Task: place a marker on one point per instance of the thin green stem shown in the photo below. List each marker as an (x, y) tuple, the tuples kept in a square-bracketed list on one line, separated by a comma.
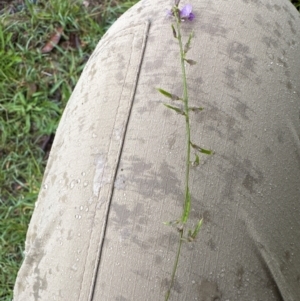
[(175, 266), (187, 199), (187, 124)]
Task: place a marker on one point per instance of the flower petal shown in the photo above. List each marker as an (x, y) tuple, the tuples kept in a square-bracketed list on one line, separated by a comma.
[(191, 17), (186, 11)]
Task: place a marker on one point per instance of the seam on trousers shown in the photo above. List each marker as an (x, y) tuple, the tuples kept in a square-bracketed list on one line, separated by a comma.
[(125, 123)]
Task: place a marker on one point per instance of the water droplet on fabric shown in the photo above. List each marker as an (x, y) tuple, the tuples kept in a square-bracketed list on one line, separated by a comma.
[(72, 184), (45, 186), (83, 173), (94, 135)]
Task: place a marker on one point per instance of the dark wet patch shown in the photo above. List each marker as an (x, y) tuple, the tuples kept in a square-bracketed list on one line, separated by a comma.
[(268, 151), (239, 169), (242, 108), (249, 182), (168, 239), (138, 228), (277, 33), (231, 78), (122, 214), (228, 126), (289, 85), (270, 42), (141, 243), (206, 217), (152, 183), (177, 287), (241, 53), (119, 76), (287, 10), (269, 7), (239, 281), (214, 26), (212, 245), (277, 7), (158, 259), (293, 30), (208, 291), (259, 19), (151, 66)]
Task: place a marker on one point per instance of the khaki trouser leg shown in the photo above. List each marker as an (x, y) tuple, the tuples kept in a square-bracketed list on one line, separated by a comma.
[(116, 170)]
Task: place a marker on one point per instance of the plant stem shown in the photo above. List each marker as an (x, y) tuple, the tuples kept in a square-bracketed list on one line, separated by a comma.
[(187, 125), (187, 200), (175, 266)]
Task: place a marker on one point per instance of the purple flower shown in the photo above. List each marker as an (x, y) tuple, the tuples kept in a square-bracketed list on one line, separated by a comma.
[(186, 13)]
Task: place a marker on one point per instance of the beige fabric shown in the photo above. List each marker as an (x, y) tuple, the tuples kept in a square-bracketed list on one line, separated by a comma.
[(116, 170)]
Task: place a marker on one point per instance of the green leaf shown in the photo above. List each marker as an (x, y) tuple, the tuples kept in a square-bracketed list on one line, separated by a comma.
[(176, 109), (164, 92), (187, 46), (191, 62), (168, 94), (202, 150), (195, 109), (197, 228), (197, 160), (174, 31)]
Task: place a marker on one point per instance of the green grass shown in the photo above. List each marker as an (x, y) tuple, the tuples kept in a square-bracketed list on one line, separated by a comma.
[(35, 88)]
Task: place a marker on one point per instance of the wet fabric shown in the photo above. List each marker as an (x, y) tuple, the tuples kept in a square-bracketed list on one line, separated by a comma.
[(116, 169)]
